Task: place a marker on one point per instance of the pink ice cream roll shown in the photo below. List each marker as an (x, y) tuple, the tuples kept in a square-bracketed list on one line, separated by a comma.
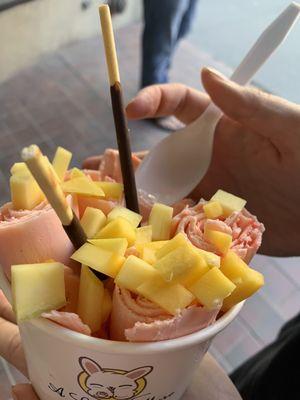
[(244, 227), (32, 236), (137, 319)]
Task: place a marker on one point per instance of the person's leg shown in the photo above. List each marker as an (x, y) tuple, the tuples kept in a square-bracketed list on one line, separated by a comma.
[(162, 24), (187, 19)]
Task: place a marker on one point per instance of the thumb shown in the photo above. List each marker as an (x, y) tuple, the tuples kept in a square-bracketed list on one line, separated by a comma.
[(23, 392), (264, 113)]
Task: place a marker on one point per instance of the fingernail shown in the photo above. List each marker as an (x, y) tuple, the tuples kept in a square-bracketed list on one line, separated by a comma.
[(215, 73)]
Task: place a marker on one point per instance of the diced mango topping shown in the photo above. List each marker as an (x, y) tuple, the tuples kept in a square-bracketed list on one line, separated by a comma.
[(25, 192), (222, 241), (92, 221), (118, 245), (103, 261), (171, 297), (148, 250), (148, 255), (90, 301), (178, 262), (20, 168), (246, 279), (122, 212), (212, 288), (229, 202), (233, 266), (160, 218), (82, 185), (177, 241), (192, 275), (118, 228), (212, 259), (147, 260), (213, 210), (37, 288), (143, 234), (77, 173), (61, 162), (135, 272), (112, 190)]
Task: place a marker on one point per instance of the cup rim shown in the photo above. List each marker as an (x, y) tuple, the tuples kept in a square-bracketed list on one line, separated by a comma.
[(111, 346)]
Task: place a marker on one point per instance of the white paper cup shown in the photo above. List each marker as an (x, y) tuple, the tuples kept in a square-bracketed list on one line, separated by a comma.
[(63, 364)]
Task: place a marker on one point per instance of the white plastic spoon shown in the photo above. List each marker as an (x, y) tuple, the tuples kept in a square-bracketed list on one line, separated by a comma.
[(174, 167)]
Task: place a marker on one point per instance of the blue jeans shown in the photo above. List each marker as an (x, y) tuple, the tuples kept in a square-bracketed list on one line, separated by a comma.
[(166, 22)]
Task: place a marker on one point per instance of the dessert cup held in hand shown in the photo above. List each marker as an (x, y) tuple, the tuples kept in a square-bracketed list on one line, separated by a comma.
[(66, 364)]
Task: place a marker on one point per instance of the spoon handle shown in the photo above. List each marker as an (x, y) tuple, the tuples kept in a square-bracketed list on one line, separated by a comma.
[(262, 49), (266, 44)]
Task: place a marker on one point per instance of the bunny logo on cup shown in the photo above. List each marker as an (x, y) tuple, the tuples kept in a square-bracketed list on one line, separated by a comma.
[(111, 384)]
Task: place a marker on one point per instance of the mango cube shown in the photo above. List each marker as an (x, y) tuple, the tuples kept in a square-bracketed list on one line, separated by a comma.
[(148, 250), (213, 210), (135, 272), (148, 255), (112, 190), (78, 173), (178, 262), (212, 288), (103, 261), (117, 246), (122, 212), (92, 221), (229, 202), (25, 192), (118, 228), (82, 185), (222, 241), (212, 259), (151, 245), (246, 279), (90, 301), (233, 267), (177, 241), (61, 162), (160, 218), (20, 168), (143, 234), (192, 275), (171, 297), (37, 288)]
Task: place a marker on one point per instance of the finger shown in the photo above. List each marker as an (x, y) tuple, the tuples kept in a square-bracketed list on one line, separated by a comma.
[(264, 113), (6, 311), (141, 154), (10, 345), (168, 99), (23, 392), (92, 162)]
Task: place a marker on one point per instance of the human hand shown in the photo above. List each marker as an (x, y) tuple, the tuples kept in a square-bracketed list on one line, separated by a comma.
[(11, 348), (256, 151), (23, 392)]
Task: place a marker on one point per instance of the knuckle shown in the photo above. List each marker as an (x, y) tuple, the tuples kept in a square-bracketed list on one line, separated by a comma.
[(14, 345)]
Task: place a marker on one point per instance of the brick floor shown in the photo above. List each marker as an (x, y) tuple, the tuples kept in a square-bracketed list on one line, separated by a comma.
[(64, 100)]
